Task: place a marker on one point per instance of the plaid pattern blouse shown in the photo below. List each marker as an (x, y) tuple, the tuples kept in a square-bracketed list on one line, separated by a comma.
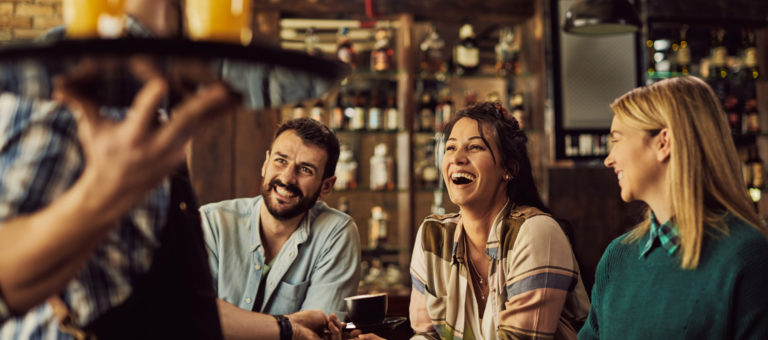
[(535, 290), (665, 235), (40, 158)]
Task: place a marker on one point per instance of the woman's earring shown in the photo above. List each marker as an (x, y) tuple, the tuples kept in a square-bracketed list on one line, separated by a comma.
[(507, 177)]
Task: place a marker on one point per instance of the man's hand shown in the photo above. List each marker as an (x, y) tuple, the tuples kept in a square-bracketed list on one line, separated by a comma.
[(314, 319), (126, 159)]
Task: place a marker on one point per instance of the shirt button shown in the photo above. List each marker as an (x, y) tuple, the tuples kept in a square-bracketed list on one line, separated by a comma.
[(290, 254), (183, 206), (253, 248), (248, 300), (257, 267)]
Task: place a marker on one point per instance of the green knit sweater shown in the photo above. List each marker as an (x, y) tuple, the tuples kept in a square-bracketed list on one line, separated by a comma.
[(651, 297)]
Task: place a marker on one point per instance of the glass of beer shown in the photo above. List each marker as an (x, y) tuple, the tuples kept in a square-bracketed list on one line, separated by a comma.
[(93, 18), (219, 20)]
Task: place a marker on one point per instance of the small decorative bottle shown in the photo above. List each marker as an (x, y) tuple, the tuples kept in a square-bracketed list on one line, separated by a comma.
[(382, 168), (346, 169)]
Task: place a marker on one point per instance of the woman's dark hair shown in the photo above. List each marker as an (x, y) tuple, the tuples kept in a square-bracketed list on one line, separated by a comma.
[(316, 133), (512, 146)]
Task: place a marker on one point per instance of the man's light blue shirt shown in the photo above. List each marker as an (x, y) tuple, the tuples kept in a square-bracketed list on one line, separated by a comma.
[(317, 267)]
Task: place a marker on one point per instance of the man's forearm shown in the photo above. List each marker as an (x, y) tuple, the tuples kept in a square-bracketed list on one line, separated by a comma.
[(239, 323), (41, 252)]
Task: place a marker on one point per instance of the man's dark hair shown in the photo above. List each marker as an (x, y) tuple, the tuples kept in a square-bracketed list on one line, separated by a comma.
[(316, 133), (511, 145)]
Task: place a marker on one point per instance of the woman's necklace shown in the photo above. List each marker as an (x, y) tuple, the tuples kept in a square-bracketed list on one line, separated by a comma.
[(482, 283)]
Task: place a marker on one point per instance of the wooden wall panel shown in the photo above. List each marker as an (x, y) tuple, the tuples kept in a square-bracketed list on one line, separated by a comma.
[(588, 198)]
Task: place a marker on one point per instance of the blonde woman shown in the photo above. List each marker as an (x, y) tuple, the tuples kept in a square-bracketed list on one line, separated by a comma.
[(697, 267), (500, 268)]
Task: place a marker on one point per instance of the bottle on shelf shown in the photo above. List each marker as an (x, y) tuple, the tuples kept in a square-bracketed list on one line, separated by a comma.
[(718, 54), (345, 52), (444, 109), (338, 119), (425, 119), (750, 54), (357, 121), (318, 111), (377, 228), (466, 54), (429, 173), (392, 115), (756, 174), (381, 55), (683, 55), (312, 42), (432, 55), (750, 74), (470, 97), (299, 111), (375, 113), (651, 61), (382, 169), (349, 110), (507, 52), (346, 169), (717, 78), (344, 204), (517, 108)]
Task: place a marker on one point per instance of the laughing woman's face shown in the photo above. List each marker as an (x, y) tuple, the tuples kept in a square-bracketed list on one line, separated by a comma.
[(471, 166)]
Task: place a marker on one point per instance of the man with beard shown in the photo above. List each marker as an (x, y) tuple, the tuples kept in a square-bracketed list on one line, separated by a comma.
[(285, 251)]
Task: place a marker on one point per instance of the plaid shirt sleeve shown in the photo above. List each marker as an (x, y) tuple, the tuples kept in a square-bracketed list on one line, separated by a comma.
[(40, 158)]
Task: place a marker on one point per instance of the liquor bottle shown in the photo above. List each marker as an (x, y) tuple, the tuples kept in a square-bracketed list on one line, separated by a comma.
[(338, 119), (444, 109), (683, 53), (507, 51), (375, 114), (377, 228), (718, 72), (381, 55), (299, 111), (392, 114), (651, 61), (517, 108), (466, 54), (756, 172), (318, 111), (470, 97), (346, 169), (426, 112), (718, 54), (429, 172), (431, 50), (312, 42), (344, 204), (382, 169), (344, 50), (749, 80), (357, 121), (750, 54)]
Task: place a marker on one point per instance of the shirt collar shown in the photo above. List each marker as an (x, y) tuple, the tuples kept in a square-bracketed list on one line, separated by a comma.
[(492, 246), (666, 234)]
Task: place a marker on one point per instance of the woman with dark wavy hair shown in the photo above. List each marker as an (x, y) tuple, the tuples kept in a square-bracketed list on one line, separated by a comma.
[(500, 268)]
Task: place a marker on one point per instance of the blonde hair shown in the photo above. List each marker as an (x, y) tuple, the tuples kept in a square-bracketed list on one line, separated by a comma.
[(704, 178)]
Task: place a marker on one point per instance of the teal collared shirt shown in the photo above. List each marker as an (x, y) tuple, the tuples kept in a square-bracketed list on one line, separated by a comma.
[(665, 235), (318, 266)]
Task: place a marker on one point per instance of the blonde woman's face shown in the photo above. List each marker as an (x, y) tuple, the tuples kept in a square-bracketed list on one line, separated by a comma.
[(471, 175), (634, 162)]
